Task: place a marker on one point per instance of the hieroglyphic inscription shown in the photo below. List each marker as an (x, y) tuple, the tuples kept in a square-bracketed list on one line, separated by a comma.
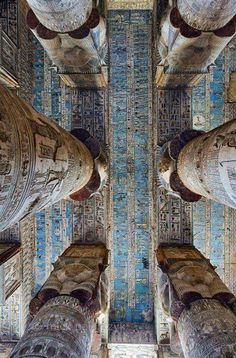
[(132, 333), (9, 54), (10, 321), (9, 18), (88, 112), (130, 111), (173, 116), (130, 4)]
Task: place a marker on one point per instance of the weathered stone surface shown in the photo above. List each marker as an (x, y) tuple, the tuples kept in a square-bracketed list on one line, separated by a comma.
[(191, 276), (10, 270), (78, 272), (130, 4), (231, 95)]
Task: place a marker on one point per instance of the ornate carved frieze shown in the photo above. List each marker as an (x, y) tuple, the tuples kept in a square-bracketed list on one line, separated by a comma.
[(132, 350), (132, 333)]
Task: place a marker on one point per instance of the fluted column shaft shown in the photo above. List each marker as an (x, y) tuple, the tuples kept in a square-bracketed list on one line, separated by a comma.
[(206, 165), (40, 163)]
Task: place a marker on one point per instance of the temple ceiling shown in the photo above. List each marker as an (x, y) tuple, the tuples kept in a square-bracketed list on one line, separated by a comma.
[(131, 215)]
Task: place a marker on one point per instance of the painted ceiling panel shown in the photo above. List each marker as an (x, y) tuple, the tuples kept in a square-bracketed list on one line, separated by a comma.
[(130, 110)]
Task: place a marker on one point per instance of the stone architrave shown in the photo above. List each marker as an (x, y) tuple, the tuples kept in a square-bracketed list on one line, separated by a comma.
[(40, 163), (197, 302), (196, 164), (63, 319)]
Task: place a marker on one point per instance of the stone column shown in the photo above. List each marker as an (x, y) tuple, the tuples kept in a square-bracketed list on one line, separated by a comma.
[(193, 34), (196, 164), (200, 306), (40, 163), (64, 321), (207, 329), (74, 36)]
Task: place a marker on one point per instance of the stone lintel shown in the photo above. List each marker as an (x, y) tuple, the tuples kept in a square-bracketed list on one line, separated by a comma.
[(130, 4), (168, 255), (87, 251), (166, 78), (86, 80)]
